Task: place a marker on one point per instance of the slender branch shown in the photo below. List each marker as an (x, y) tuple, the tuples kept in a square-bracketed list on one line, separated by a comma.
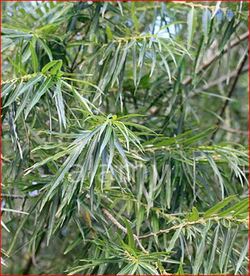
[(75, 59), (192, 4), (30, 262), (118, 40), (23, 78), (240, 67), (230, 93), (234, 130), (13, 196), (214, 57), (116, 223), (188, 80), (219, 80), (188, 223)]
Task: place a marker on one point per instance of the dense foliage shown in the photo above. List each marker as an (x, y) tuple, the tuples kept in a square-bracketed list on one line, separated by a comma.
[(124, 137)]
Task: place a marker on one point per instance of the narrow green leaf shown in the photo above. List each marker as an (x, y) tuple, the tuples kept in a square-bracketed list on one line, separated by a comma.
[(140, 214), (38, 94), (46, 48), (194, 215), (217, 207), (213, 252), (22, 88), (148, 268), (174, 239), (34, 58), (241, 259), (134, 17), (109, 33), (53, 66), (60, 104), (129, 269), (206, 16), (131, 241), (237, 208), (191, 22)]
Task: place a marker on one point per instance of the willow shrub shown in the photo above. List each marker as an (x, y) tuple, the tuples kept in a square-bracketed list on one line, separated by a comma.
[(124, 137)]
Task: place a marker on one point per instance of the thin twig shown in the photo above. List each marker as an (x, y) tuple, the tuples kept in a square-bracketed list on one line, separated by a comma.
[(219, 80), (234, 130), (30, 261), (188, 223), (214, 57), (75, 59), (116, 223), (13, 196), (230, 93)]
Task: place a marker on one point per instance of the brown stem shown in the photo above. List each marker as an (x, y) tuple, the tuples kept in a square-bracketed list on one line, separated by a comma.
[(234, 130), (200, 221), (214, 57), (230, 93), (13, 196), (29, 264), (115, 222), (218, 81)]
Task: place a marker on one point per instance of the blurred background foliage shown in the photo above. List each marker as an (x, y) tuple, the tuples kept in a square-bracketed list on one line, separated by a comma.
[(125, 137)]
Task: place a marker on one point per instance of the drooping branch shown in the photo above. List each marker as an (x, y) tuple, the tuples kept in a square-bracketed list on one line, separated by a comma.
[(230, 93), (201, 221), (118, 225), (218, 81), (13, 196), (218, 54)]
